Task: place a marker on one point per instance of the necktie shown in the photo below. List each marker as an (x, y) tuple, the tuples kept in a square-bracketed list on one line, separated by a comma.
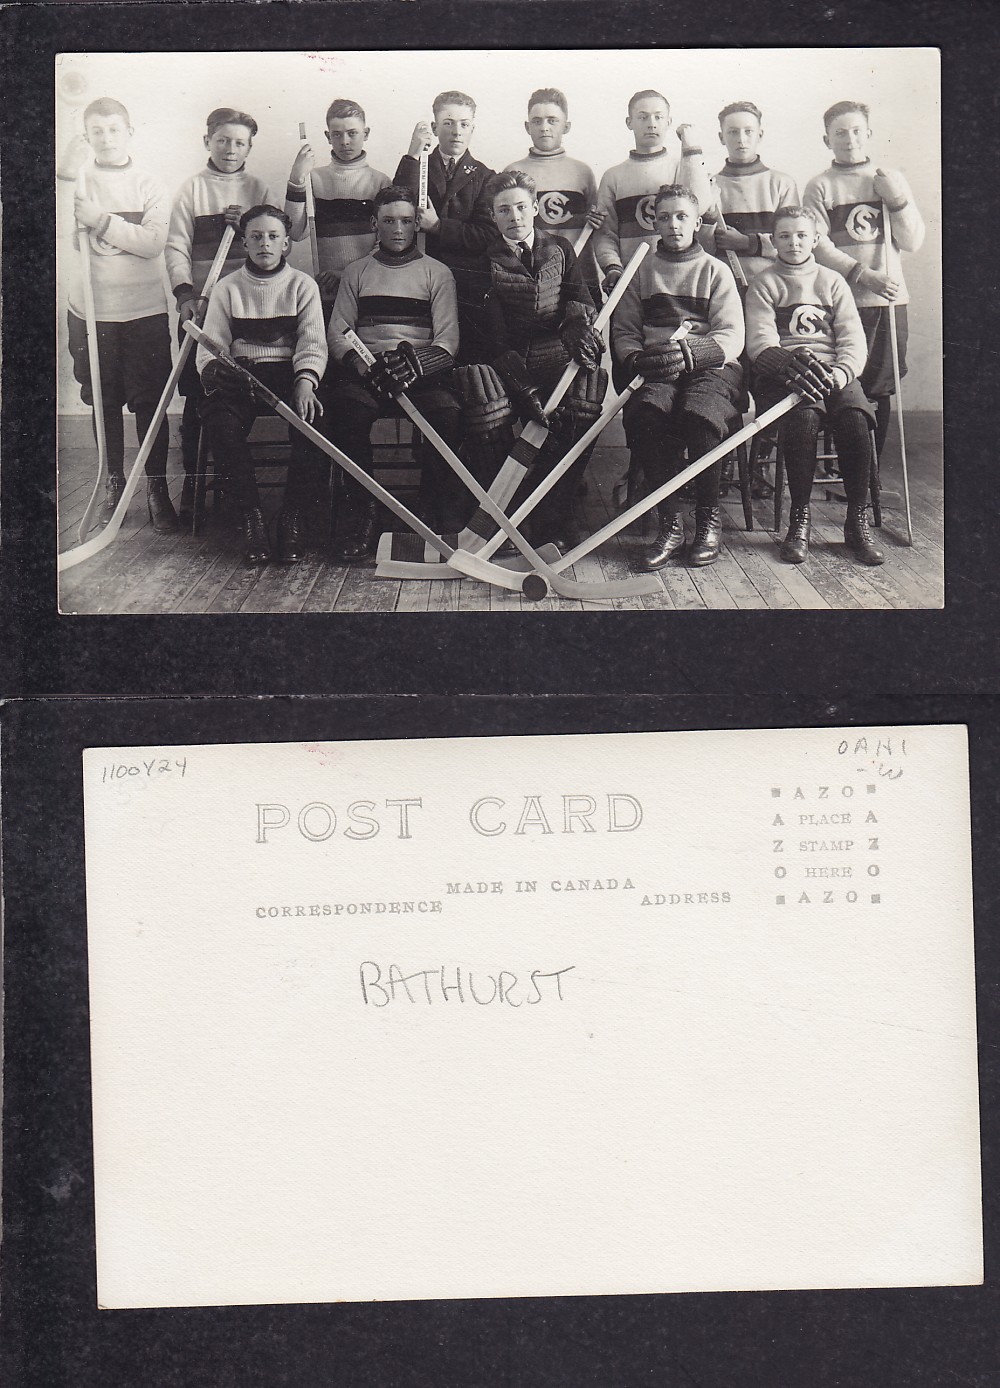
[(524, 251), (449, 169)]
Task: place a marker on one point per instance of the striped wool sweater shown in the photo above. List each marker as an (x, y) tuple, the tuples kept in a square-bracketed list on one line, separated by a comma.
[(626, 195), (749, 195), (197, 223), (566, 190), (268, 317), (344, 196), (670, 287), (853, 237), (126, 247), (806, 306), (388, 299)]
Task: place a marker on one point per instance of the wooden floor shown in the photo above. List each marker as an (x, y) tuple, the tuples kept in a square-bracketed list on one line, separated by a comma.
[(142, 572)]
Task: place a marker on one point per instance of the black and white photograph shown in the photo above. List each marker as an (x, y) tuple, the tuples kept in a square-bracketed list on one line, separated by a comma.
[(499, 330)]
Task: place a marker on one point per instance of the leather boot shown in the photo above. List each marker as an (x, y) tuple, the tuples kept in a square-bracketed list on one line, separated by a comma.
[(707, 536), (161, 509), (858, 537), (669, 541), (795, 547), (186, 512), (361, 545), (255, 535), (113, 488), (291, 536)]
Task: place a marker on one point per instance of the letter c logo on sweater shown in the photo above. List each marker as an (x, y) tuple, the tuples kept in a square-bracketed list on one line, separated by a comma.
[(645, 212), (103, 247), (553, 207), (807, 320), (863, 223)]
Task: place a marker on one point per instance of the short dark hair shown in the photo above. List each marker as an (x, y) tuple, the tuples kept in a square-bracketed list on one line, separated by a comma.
[(504, 182), (841, 108), (264, 209), (452, 99), (676, 190), (795, 210), (645, 95), (344, 107), (106, 106), (394, 193), (735, 106), (228, 115), (549, 96)]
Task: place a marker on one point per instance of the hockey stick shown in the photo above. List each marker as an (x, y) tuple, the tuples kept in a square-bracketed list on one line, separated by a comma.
[(692, 470), (897, 379), (310, 210), (533, 435), (494, 573), (422, 196), (71, 557), (734, 261), (94, 359)]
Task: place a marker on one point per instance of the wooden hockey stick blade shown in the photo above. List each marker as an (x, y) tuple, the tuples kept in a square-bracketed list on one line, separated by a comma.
[(406, 556), (897, 381), (536, 585), (692, 470), (94, 359), (533, 435), (323, 444), (71, 557)]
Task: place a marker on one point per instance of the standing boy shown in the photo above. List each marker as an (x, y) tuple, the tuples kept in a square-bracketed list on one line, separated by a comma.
[(748, 191), (850, 200), (692, 387), (804, 334), (123, 213), (344, 192), (268, 316), (212, 199), (565, 187), (402, 306), (458, 223)]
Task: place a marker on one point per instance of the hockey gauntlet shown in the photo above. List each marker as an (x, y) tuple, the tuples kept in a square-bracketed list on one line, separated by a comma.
[(584, 345), (803, 372)]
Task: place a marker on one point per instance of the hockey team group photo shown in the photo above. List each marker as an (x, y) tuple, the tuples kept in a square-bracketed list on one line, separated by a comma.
[(517, 330)]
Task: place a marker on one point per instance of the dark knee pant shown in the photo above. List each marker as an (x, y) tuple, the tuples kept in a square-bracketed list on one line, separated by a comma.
[(228, 419), (671, 424), (135, 363), (850, 417)]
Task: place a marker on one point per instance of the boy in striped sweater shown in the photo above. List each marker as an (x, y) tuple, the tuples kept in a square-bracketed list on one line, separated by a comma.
[(748, 191), (566, 188), (850, 200), (268, 316), (212, 199), (123, 213), (804, 334), (692, 387), (403, 306), (344, 191)]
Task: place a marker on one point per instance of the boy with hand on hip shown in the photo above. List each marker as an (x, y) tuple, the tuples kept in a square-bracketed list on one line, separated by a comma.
[(692, 387), (850, 200), (268, 316), (804, 334), (123, 213), (212, 199), (458, 225)]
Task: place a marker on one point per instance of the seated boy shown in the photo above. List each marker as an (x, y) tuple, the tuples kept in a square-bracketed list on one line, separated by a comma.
[(343, 190), (565, 187), (457, 224), (539, 316), (850, 200), (268, 316), (402, 306), (804, 334), (123, 213), (692, 387), (212, 199), (748, 191)]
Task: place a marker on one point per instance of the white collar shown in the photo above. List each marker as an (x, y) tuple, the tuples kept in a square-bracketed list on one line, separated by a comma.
[(528, 241)]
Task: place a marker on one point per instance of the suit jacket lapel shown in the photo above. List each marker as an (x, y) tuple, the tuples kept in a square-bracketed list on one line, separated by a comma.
[(464, 171)]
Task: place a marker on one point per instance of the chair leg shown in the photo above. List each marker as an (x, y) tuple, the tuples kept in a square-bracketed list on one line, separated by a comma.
[(875, 483), (744, 463), (779, 480), (200, 472)]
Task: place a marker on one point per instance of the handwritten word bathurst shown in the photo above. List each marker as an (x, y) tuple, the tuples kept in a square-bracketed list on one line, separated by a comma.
[(381, 987)]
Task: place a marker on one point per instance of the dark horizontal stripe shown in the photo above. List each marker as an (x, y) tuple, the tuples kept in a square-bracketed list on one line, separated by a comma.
[(266, 329), (637, 212), (661, 310), (857, 222), (295, 194), (804, 320), (388, 305), (208, 229), (134, 218), (342, 210), (558, 208), (749, 221)]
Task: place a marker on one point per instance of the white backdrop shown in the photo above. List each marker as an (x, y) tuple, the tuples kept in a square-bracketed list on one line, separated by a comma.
[(169, 94)]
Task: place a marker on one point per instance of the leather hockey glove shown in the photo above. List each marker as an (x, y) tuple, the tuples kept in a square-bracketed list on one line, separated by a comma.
[(664, 362), (523, 393), (424, 359), (487, 406), (390, 373), (582, 404), (220, 379), (584, 345), (800, 370)]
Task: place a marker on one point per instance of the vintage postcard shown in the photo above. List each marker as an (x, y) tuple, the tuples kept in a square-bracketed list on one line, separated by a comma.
[(537, 1016), (420, 331)]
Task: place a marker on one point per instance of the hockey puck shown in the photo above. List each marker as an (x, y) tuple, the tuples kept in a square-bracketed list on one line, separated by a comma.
[(534, 587)]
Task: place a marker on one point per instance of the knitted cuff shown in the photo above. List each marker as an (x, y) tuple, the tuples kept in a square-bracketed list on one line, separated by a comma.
[(102, 226), (426, 359), (897, 206), (773, 361), (756, 243), (306, 375), (350, 359), (295, 192), (703, 352), (183, 292)]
